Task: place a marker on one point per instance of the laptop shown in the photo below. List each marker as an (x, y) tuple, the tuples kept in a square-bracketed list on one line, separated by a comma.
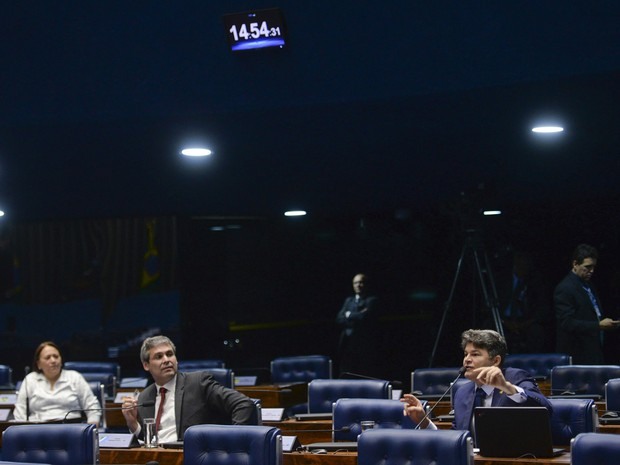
[(514, 432)]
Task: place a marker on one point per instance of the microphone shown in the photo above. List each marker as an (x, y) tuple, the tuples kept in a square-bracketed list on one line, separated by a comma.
[(148, 403), (347, 375), (344, 429), (462, 371)]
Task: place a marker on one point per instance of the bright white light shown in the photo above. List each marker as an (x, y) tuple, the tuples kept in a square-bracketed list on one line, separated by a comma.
[(547, 129), (196, 152), (1, 213), (491, 212), (295, 213)]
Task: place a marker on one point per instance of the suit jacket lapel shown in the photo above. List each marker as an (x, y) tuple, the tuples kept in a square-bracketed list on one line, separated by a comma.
[(178, 400)]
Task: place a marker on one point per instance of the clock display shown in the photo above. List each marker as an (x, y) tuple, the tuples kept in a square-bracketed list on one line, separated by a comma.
[(255, 29)]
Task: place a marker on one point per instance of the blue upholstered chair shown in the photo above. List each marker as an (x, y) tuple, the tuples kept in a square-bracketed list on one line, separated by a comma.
[(612, 395), (199, 365), (322, 393), (571, 417), (349, 413), (99, 392), (582, 379), (107, 380), (232, 445), (95, 367), (300, 369), (432, 381), (6, 377), (224, 376), (595, 449), (419, 447), (55, 444), (539, 365)]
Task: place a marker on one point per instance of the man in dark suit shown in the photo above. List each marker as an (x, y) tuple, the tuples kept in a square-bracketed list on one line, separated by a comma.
[(181, 399), (484, 352), (356, 345), (578, 311)]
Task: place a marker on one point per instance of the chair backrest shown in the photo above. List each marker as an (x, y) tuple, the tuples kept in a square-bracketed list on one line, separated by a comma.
[(349, 413), (595, 448), (257, 416), (232, 445), (224, 376), (432, 381), (422, 447), (55, 444), (112, 368), (322, 393), (301, 368), (571, 417), (199, 365), (99, 392), (582, 379), (612, 395), (539, 365), (6, 377), (107, 379)]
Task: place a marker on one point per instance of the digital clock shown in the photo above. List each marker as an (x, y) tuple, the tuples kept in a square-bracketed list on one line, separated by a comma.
[(255, 29)]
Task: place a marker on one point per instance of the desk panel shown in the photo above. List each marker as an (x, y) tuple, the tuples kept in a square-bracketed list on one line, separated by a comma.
[(277, 396), (175, 457), (141, 455), (306, 431)]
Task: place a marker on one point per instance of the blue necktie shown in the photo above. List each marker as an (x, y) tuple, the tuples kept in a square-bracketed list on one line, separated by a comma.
[(593, 300)]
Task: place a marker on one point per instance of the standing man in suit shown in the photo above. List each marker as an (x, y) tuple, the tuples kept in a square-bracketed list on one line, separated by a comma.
[(484, 351), (180, 399), (355, 347), (578, 311)]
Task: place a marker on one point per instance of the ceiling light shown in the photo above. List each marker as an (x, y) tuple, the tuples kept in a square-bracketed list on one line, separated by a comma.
[(491, 212), (196, 152), (295, 213), (547, 129)]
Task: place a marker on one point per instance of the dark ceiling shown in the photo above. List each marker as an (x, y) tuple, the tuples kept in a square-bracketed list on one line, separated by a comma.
[(372, 106)]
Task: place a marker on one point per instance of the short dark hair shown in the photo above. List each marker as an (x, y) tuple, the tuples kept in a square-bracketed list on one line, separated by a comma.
[(154, 341), (37, 354), (583, 251), (492, 341)]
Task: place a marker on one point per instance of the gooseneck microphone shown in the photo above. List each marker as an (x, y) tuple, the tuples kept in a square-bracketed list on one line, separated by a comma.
[(461, 373), (148, 403)]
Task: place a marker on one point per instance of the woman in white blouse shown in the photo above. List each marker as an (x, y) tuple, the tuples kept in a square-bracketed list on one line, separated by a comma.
[(51, 393)]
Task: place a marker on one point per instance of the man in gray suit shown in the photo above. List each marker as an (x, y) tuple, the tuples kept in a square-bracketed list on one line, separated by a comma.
[(179, 400)]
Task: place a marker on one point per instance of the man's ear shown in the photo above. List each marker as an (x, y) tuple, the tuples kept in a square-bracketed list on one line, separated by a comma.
[(497, 361), (145, 365)]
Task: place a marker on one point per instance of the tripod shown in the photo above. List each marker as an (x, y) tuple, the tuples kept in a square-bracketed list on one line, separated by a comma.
[(473, 245)]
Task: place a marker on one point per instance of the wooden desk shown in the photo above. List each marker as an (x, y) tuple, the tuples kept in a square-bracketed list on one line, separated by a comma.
[(306, 431), (175, 457), (141, 455), (277, 396), (350, 458)]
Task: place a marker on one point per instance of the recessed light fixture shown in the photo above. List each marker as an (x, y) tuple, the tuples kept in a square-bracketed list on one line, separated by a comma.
[(295, 213), (491, 212), (196, 152), (1, 212), (547, 129)]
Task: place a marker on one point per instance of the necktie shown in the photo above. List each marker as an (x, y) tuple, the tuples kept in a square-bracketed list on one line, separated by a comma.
[(160, 410), (593, 300), (479, 397)]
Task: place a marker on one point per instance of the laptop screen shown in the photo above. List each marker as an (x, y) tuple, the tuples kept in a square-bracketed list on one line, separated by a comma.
[(513, 432)]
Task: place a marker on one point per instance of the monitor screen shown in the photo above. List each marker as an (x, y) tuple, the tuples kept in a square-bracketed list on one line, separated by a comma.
[(257, 29)]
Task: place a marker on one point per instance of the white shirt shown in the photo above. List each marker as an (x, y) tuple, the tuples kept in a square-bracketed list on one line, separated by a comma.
[(71, 393), (168, 425)]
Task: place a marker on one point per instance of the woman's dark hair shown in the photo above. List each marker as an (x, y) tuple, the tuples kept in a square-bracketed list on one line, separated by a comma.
[(37, 354)]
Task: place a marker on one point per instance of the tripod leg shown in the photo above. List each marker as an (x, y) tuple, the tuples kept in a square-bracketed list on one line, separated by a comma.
[(447, 306), (487, 283)]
